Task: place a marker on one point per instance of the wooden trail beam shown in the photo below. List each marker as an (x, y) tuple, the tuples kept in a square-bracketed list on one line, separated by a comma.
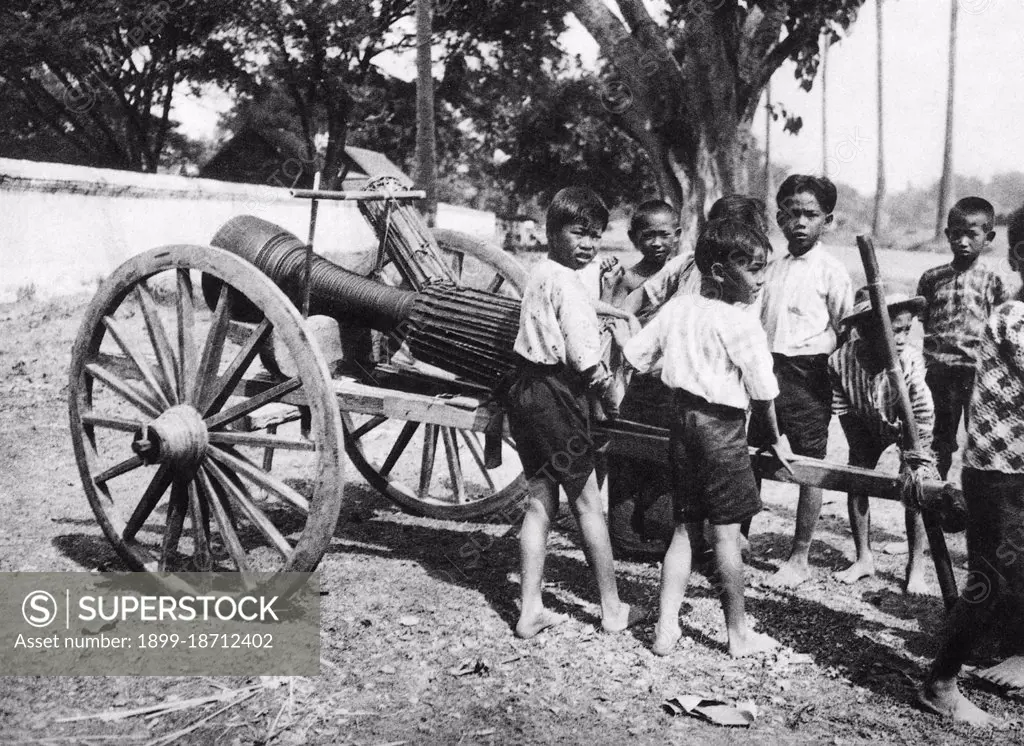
[(646, 443), (932, 523)]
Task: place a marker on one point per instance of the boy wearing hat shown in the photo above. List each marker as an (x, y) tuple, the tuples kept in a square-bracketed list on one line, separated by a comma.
[(864, 397)]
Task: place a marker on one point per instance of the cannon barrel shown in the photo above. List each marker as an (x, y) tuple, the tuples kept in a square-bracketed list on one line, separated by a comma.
[(334, 291), (468, 332)]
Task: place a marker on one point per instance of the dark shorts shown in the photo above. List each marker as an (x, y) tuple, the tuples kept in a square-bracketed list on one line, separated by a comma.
[(866, 445), (804, 405), (951, 391), (711, 473), (995, 537), (549, 418)]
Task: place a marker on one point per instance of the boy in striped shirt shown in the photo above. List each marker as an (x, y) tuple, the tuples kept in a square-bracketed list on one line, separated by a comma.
[(715, 357), (993, 484), (864, 398), (959, 297)]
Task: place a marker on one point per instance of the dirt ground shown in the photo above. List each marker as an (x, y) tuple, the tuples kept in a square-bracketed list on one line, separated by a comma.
[(417, 643)]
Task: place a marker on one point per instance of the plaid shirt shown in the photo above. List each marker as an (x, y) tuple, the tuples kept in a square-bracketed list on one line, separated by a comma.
[(956, 307), (712, 349), (873, 398), (995, 427), (557, 321)]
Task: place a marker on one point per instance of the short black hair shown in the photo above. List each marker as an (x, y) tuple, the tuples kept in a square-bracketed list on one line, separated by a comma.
[(973, 206), (1015, 237), (742, 207), (820, 186), (650, 207), (728, 241), (576, 205)]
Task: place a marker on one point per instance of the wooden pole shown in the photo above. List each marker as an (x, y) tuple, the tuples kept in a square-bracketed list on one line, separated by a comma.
[(309, 248), (936, 539)]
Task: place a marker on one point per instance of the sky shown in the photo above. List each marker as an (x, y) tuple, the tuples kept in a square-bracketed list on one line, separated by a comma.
[(989, 96)]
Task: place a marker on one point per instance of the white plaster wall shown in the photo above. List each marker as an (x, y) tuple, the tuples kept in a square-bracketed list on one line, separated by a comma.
[(62, 227)]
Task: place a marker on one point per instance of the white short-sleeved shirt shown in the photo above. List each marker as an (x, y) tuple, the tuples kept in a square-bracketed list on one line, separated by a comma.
[(712, 349), (590, 277), (805, 298), (557, 321)]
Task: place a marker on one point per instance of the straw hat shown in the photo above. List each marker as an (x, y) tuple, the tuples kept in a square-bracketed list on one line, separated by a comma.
[(896, 302)]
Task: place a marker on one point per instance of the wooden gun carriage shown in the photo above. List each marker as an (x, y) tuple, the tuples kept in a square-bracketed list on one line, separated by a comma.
[(209, 424)]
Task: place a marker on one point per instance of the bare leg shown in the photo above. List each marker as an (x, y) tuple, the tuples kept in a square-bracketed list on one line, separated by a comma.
[(860, 524), (796, 570), (940, 693), (675, 574), (916, 540), (742, 640), (585, 500), (533, 538)]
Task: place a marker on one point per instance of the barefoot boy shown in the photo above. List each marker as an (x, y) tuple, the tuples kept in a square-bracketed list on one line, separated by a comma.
[(959, 297), (548, 411), (715, 358), (654, 231), (993, 484), (864, 399), (807, 293)]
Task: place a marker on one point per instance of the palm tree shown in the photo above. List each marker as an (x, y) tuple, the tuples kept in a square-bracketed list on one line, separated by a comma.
[(946, 184), (876, 223), (769, 185), (426, 154), (826, 39)]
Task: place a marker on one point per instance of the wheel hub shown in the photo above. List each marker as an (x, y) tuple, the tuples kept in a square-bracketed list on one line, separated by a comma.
[(178, 437)]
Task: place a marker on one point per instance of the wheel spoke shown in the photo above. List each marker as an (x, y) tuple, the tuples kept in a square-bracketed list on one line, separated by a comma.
[(227, 529), (129, 464), (218, 393), (458, 262), (478, 456), (260, 440), (213, 348), (244, 467), (111, 423), (495, 284), (399, 447), (137, 360), (372, 423), (123, 389), (200, 527), (175, 520), (186, 337), (239, 497), (427, 465), (161, 345), (451, 451), (253, 403), (150, 498)]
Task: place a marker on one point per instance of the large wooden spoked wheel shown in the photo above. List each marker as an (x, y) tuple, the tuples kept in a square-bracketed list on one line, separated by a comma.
[(435, 470), (191, 460)]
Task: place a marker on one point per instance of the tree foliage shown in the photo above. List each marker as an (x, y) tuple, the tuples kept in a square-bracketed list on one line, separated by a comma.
[(96, 80)]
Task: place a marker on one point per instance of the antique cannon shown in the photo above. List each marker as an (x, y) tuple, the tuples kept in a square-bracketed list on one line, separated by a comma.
[(208, 427)]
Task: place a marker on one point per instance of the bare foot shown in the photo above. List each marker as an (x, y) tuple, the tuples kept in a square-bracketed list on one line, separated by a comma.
[(665, 639), (530, 626), (751, 643), (916, 585), (1009, 673), (862, 568), (627, 616), (950, 702), (790, 575)]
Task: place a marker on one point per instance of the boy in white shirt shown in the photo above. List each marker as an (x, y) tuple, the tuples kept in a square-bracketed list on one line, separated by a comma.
[(548, 412), (715, 357)]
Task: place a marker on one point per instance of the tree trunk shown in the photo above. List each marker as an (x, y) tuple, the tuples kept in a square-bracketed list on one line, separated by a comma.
[(876, 222), (769, 182), (946, 183), (824, 103), (426, 156)]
